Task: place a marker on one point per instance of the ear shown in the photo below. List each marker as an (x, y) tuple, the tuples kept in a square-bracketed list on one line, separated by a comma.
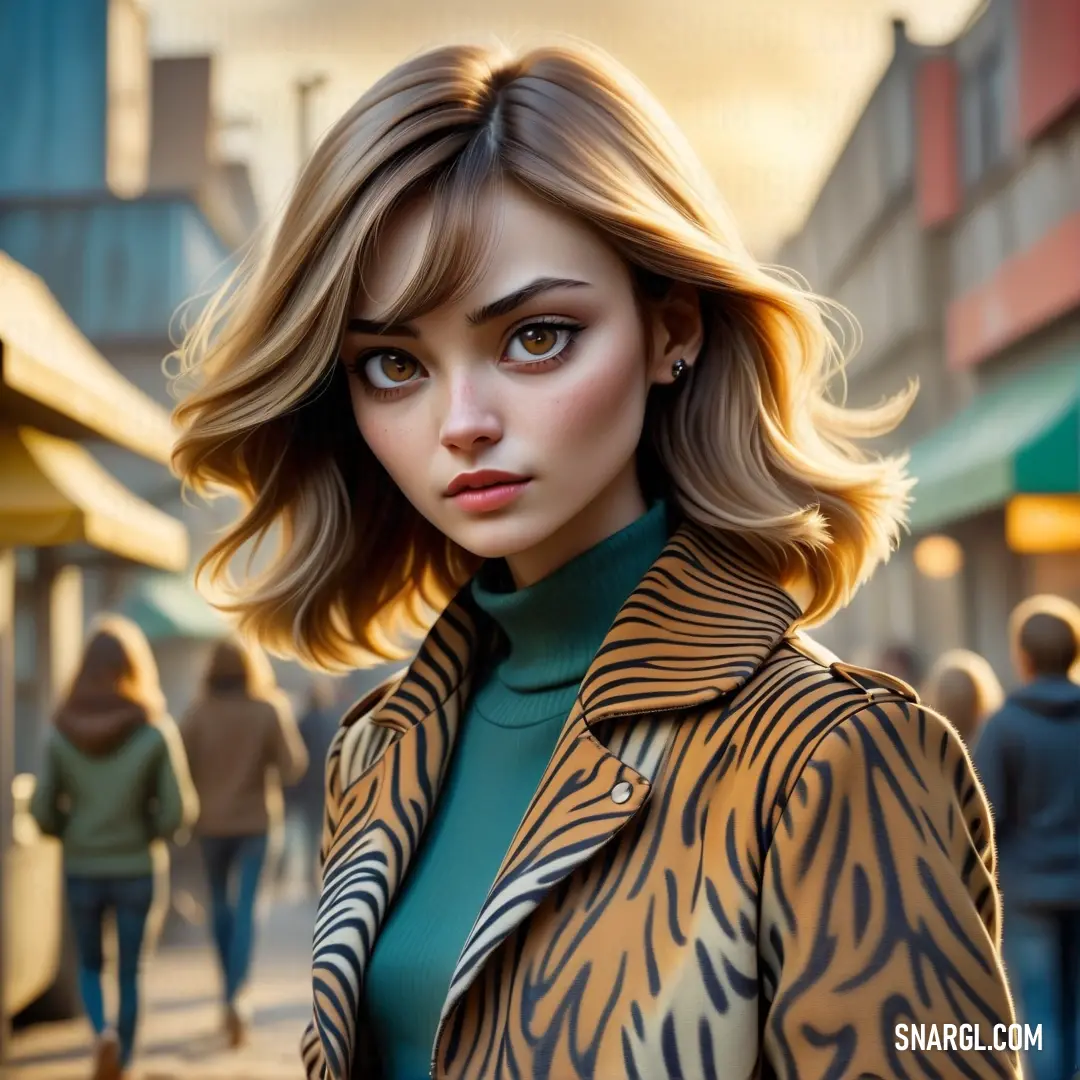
[(675, 329)]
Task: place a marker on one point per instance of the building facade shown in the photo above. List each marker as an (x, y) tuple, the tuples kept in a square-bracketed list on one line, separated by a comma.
[(950, 227), (114, 191)]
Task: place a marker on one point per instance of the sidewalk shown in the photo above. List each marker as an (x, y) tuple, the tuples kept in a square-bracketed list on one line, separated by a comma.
[(180, 1035)]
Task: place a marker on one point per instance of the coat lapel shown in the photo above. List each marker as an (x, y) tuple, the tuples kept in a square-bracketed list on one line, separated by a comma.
[(587, 794)]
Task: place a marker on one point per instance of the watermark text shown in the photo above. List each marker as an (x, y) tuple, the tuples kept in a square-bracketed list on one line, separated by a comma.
[(1000, 1037)]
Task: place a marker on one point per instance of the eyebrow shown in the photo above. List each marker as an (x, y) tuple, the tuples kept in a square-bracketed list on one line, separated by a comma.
[(503, 306), (514, 300)]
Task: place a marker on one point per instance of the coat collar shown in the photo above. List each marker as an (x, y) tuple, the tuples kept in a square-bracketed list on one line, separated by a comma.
[(699, 624)]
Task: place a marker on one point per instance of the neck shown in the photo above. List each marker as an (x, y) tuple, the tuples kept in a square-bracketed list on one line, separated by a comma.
[(620, 504), (553, 628)]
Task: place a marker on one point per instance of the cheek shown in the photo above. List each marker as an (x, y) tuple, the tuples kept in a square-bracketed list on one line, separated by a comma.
[(609, 398), (389, 435)]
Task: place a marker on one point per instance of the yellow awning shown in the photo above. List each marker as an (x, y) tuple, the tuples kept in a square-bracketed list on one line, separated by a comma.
[(52, 377), (53, 492)]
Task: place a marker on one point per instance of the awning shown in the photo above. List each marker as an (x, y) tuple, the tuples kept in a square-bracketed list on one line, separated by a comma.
[(51, 377), (1021, 437), (168, 606), (53, 492)]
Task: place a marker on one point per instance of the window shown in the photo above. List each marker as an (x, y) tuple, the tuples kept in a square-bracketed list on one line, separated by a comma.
[(984, 111)]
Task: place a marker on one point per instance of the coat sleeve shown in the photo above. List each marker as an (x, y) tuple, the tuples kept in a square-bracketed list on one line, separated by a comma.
[(45, 802), (189, 731), (879, 909), (176, 804)]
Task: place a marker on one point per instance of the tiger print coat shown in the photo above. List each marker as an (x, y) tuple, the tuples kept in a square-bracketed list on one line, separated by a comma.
[(741, 861)]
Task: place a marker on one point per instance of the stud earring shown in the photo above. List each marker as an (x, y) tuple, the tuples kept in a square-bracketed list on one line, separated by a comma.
[(679, 369)]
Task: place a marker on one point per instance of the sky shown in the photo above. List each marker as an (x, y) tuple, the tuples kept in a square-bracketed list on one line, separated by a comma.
[(767, 91)]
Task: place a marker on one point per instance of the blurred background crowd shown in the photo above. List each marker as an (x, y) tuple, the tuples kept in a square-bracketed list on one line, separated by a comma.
[(924, 171)]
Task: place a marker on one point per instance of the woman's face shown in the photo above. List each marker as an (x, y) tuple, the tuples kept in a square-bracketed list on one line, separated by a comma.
[(510, 417)]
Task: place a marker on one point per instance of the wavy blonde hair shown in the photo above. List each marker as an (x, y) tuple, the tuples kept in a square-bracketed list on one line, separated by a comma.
[(750, 445), (963, 687)]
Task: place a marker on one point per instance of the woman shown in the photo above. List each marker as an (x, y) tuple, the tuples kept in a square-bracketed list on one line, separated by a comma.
[(962, 686), (242, 744), (506, 360), (113, 784)]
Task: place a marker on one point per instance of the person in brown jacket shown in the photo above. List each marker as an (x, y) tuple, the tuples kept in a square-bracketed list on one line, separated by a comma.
[(242, 745)]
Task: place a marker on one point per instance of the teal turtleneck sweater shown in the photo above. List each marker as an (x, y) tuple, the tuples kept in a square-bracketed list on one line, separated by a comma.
[(552, 631)]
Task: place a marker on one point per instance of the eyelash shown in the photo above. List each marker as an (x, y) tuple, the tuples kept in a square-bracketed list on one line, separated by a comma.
[(557, 322)]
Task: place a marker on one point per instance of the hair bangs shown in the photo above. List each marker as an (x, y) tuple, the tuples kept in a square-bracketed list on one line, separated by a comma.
[(460, 221)]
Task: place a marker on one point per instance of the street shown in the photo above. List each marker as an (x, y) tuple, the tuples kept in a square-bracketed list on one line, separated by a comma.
[(180, 1031)]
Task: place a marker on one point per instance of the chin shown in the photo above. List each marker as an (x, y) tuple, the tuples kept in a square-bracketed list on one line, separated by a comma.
[(493, 537)]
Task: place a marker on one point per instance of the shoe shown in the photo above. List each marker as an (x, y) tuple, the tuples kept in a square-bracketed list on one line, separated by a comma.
[(107, 1057), (235, 1028)]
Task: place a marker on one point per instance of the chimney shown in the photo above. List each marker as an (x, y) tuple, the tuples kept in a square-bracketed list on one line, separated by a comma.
[(181, 123), (899, 35)]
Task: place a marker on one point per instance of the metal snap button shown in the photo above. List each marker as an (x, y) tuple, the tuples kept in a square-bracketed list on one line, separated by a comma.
[(621, 792)]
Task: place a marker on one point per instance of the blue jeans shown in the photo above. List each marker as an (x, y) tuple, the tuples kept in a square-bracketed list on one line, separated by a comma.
[(89, 899), (1042, 957), (233, 867)]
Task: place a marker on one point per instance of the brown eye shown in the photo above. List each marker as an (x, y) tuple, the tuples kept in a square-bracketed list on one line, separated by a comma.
[(540, 341), (385, 370)]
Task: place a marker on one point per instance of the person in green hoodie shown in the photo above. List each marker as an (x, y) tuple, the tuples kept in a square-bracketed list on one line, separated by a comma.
[(113, 784)]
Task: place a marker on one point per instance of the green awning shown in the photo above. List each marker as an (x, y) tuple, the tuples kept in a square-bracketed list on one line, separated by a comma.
[(1021, 437), (168, 606)]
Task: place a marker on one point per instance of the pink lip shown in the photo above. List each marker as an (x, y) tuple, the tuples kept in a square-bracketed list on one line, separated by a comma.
[(483, 478), (494, 497)]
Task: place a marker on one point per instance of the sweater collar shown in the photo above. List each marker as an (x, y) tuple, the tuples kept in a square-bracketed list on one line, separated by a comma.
[(544, 648), (701, 621)]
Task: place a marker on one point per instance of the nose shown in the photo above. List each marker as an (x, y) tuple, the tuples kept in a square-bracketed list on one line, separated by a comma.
[(470, 419)]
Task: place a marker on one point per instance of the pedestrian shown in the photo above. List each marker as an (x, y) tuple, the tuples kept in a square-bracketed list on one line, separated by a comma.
[(318, 725), (506, 378), (903, 661), (113, 787), (1028, 758), (242, 745), (963, 688)]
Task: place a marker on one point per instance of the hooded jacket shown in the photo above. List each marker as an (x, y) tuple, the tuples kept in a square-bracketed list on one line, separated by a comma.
[(743, 859), (111, 784), (1028, 757)]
